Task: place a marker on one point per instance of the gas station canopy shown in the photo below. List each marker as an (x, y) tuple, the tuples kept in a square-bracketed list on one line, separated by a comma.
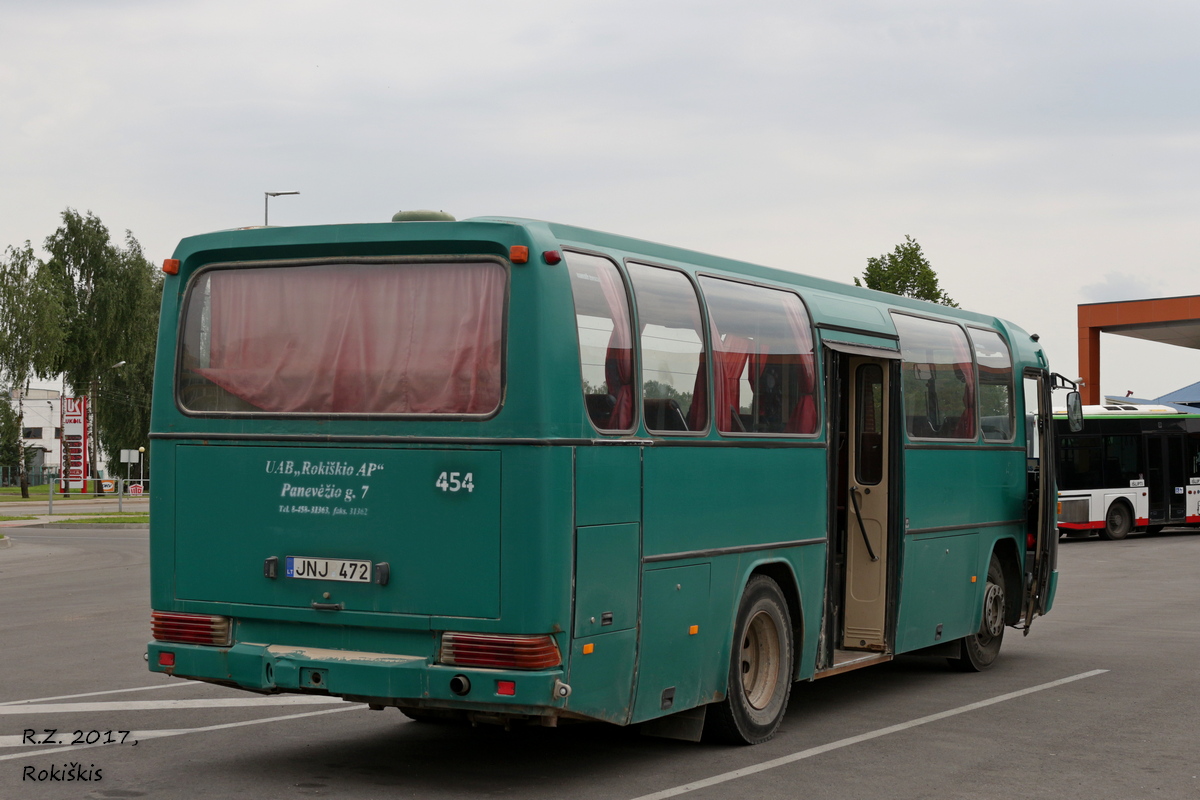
[(1170, 320)]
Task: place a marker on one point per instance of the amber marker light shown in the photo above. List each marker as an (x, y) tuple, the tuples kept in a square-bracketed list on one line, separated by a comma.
[(973, 578), (518, 254), (588, 649), (171, 266), (692, 631)]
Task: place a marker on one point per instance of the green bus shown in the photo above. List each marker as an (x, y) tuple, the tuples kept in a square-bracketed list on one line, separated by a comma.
[(509, 470)]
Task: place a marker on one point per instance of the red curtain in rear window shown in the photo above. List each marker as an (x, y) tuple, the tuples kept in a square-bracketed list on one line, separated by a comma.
[(356, 338)]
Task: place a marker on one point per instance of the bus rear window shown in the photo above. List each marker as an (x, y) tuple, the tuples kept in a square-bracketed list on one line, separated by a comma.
[(338, 338)]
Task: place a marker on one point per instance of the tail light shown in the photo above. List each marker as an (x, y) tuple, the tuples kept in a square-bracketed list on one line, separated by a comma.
[(499, 651), (168, 626)]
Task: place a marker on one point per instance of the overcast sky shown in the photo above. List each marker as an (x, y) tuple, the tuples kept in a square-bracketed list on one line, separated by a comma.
[(1044, 154)]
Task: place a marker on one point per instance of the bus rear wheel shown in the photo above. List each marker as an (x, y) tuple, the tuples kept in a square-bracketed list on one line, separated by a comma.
[(979, 651), (1118, 522), (760, 668)]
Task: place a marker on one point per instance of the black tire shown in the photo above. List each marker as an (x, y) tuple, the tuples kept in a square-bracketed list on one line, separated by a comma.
[(760, 668), (1118, 522), (979, 651)]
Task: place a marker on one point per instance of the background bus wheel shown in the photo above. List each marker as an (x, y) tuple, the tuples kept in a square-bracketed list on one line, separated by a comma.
[(760, 669), (1118, 522), (978, 651)]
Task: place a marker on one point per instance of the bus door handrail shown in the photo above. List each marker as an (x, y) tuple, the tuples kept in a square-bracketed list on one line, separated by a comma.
[(862, 528)]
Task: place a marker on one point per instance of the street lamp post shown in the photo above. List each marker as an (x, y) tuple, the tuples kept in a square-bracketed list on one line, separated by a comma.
[(93, 435), (266, 204)]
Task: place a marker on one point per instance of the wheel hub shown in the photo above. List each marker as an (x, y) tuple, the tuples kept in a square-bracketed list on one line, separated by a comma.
[(993, 610), (760, 660)]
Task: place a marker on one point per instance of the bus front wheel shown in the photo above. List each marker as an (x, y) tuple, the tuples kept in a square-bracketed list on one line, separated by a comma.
[(979, 651), (760, 668), (1117, 522)]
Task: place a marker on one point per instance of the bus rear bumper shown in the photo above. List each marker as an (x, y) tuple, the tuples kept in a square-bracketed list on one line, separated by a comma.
[(378, 678)]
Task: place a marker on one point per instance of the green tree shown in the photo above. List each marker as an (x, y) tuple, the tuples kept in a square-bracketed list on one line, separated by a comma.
[(111, 296), (10, 435), (905, 271), (31, 332)]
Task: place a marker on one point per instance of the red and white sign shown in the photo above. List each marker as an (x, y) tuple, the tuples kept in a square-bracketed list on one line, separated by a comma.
[(135, 488), (74, 443)]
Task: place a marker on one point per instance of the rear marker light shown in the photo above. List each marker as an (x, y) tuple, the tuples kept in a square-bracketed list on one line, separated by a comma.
[(552, 257), (1030, 540), (171, 266), (169, 626), (506, 688), (518, 254), (166, 659), (499, 651)]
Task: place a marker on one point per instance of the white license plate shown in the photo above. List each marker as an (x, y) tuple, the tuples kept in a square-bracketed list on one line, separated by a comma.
[(329, 569)]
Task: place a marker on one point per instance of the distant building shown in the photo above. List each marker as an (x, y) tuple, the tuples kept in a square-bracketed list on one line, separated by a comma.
[(1187, 396), (40, 424), (1186, 399)]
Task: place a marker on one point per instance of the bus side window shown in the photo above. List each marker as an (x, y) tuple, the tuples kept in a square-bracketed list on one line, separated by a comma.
[(938, 379), (605, 341), (1032, 435), (674, 371), (995, 385), (764, 371)]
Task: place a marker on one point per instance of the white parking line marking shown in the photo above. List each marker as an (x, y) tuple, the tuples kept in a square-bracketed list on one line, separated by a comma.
[(177, 732), (825, 748), (106, 691), (159, 705)]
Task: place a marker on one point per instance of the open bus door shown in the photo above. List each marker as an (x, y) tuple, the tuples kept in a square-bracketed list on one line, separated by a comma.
[(1041, 555)]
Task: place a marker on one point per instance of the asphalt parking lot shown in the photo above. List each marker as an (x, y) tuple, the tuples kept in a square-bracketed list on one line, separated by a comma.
[(1100, 701)]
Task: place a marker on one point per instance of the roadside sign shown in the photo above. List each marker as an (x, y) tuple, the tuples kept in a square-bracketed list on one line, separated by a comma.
[(135, 488)]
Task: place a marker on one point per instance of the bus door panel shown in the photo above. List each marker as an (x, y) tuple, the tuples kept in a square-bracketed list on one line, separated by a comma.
[(1155, 480), (867, 506), (1041, 521), (1176, 479), (1167, 480)]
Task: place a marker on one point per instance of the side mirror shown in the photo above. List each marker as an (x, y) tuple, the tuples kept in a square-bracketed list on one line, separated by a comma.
[(1074, 412)]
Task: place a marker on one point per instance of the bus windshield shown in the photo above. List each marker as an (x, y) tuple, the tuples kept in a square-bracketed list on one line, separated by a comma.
[(357, 338)]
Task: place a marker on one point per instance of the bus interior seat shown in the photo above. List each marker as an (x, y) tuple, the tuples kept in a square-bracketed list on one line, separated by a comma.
[(600, 408), (918, 425), (664, 414), (996, 427)]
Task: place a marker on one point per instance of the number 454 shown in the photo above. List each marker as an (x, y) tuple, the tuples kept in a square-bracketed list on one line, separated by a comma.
[(449, 482)]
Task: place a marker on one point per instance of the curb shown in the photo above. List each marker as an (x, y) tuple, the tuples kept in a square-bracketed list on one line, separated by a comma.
[(69, 526)]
